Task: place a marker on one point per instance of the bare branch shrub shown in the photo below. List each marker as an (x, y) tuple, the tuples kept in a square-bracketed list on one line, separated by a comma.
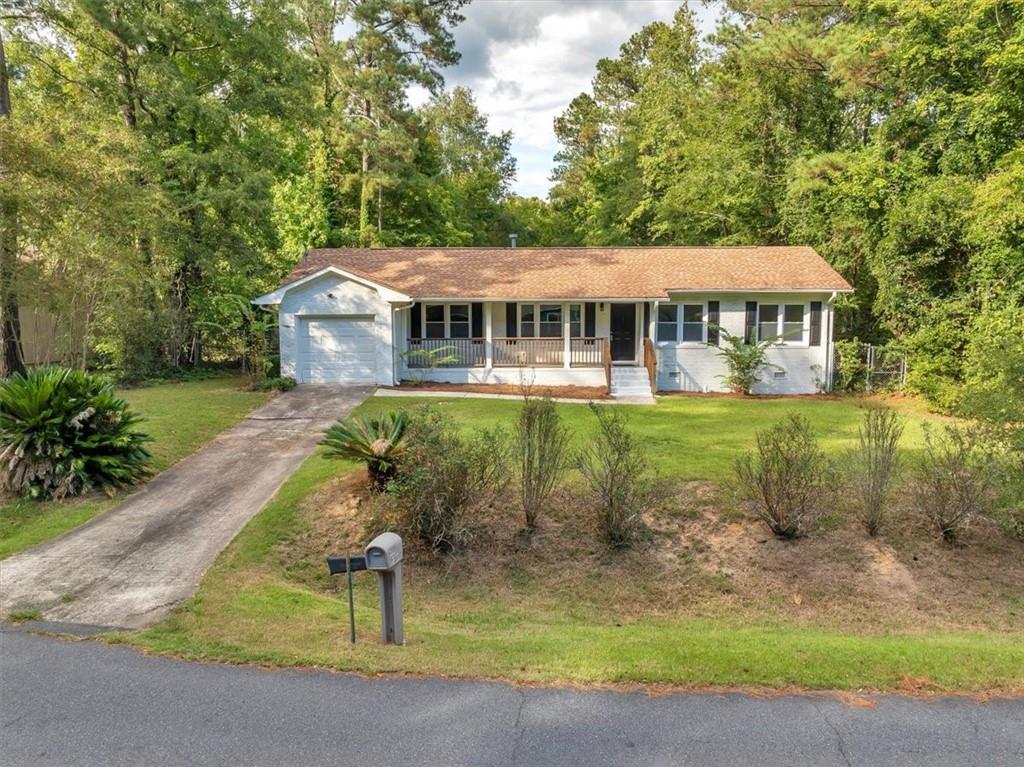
[(954, 482), (619, 476), (542, 451), (787, 482), (875, 465), (445, 477)]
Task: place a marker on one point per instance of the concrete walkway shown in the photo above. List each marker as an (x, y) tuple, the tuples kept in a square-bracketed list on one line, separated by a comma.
[(84, 703), (128, 567)]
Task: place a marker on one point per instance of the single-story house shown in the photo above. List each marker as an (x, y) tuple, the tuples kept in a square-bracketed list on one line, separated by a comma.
[(631, 318)]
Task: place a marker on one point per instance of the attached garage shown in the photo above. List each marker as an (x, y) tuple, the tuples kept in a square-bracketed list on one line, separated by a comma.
[(337, 350)]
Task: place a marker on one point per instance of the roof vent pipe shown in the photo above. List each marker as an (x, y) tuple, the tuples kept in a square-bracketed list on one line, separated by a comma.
[(512, 239)]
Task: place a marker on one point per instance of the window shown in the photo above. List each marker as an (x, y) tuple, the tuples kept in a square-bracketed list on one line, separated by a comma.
[(767, 321), (458, 321), (576, 320), (433, 315), (784, 324), (693, 323), (526, 320), (668, 322), (551, 320), (793, 323)]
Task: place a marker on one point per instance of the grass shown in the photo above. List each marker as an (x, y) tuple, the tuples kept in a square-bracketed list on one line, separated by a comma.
[(260, 604), (181, 417), (688, 437)]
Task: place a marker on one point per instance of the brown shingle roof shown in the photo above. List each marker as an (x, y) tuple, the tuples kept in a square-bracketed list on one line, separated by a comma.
[(634, 272)]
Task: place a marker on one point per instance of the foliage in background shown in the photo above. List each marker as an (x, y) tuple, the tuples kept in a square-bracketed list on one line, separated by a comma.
[(619, 476), (745, 361), (63, 433), (542, 454), (446, 478), (378, 442), (787, 481), (875, 464), (851, 370), (953, 482)]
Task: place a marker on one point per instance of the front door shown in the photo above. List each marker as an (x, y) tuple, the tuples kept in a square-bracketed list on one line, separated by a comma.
[(623, 326)]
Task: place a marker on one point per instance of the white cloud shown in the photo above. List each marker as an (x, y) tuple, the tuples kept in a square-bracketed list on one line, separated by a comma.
[(525, 60)]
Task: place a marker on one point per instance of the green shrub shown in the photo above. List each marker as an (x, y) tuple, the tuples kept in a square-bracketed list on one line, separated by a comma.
[(64, 432), (744, 361), (954, 480), (851, 370), (542, 451), (619, 476), (787, 482), (273, 383), (875, 464), (446, 478), (377, 442)]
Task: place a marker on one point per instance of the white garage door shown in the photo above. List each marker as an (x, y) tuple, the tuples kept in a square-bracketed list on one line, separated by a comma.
[(338, 350)]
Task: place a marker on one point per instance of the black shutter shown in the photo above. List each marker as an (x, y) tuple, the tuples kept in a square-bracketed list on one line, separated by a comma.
[(750, 328), (647, 320), (476, 315), (815, 323), (590, 320), (511, 320), (713, 323), (415, 327)]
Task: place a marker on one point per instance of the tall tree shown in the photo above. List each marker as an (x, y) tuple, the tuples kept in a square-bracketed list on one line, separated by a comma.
[(12, 358)]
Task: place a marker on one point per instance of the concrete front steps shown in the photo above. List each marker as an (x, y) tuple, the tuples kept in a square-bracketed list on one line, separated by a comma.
[(631, 384)]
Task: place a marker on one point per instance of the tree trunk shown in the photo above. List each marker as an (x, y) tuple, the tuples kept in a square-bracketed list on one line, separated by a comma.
[(12, 358), (364, 202)]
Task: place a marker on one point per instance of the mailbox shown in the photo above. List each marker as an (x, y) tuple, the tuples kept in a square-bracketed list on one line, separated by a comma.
[(384, 552), (384, 556)]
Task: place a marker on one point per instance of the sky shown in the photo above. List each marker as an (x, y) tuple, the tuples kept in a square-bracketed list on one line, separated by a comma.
[(525, 60)]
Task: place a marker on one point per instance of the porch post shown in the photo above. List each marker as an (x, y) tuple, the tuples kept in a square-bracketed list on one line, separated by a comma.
[(488, 336), (652, 329), (566, 341)]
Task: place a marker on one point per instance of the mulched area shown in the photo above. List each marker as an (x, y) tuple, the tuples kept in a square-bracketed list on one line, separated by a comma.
[(555, 392)]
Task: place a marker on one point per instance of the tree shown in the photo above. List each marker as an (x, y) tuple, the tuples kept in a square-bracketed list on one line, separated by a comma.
[(12, 359)]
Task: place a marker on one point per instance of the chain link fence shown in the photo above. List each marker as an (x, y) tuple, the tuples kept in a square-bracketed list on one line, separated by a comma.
[(866, 367)]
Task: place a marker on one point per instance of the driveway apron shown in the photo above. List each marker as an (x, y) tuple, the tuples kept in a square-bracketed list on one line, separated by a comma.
[(128, 567)]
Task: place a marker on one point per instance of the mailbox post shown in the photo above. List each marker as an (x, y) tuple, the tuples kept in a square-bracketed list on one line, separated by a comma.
[(384, 556)]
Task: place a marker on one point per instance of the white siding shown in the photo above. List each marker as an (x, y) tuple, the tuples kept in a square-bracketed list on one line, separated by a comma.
[(333, 296), (697, 368)]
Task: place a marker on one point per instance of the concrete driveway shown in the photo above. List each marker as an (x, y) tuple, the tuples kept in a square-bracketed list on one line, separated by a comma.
[(128, 567)]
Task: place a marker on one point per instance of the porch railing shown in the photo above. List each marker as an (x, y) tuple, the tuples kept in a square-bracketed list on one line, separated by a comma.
[(446, 353), (507, 352)]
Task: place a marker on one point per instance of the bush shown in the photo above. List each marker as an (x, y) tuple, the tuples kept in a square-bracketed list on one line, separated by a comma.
[(273, 383), (851, 370), (745, 361), (875, 464), (619, 476), (953, 482), (377, 442), (787, 482), (64, 432), (542, 450), (445, 478)]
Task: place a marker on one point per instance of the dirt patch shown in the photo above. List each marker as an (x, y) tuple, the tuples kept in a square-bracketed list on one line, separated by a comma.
[(555, 392), (703, 559)]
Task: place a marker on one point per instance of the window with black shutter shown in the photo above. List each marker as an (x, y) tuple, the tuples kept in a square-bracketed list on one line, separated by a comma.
[(713, 313), (815, 323), (750, 323)]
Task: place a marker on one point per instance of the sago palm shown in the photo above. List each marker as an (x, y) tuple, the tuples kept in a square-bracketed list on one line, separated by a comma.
[(377, 442)]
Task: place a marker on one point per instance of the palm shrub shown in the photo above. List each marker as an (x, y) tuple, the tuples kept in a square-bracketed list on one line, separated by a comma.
[(618, 473), (875, 465), (377, 442), (64, 432), (953, 483), (744, 361), (542, 451), (787, 481)]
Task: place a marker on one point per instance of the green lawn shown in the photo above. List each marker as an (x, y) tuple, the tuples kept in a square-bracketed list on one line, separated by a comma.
[(180, 417), (688, 437), (259, 603)]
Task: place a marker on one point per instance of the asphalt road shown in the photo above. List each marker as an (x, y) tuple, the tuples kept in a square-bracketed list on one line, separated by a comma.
[(85, 703), (128, 567)]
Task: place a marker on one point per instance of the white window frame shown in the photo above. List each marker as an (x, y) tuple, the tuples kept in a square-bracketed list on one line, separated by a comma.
[(447, 318), (805, 334), (680, 317), (566, 315)]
